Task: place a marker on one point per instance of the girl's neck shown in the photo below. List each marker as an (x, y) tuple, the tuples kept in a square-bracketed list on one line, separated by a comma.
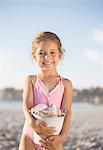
[(43, 73)]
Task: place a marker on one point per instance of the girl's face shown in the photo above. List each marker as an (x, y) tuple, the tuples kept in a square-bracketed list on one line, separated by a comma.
[(47, 55)]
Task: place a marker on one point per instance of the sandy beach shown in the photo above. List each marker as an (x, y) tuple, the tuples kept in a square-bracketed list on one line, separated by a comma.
[(86, 131)]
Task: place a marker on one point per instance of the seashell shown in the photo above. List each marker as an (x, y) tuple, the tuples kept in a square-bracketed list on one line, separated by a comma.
[(44, 111), (51, 114), (39, 107)]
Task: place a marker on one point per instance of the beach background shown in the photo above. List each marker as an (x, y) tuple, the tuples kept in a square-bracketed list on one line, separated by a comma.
[(85, 133), (79, 24)]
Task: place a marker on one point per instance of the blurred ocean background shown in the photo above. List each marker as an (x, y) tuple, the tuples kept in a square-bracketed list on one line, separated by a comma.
[(17, 105)]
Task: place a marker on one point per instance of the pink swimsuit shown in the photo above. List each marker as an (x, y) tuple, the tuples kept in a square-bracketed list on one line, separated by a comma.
[(43, 96)]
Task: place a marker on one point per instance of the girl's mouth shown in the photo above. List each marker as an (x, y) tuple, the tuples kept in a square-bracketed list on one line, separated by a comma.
[(47, 63)]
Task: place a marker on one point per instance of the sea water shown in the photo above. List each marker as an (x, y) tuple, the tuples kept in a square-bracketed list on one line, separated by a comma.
[(17, 104), (10, 104)]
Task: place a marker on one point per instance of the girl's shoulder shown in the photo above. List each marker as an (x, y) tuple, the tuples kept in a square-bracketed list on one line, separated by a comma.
[(31, 79), (66, 82)]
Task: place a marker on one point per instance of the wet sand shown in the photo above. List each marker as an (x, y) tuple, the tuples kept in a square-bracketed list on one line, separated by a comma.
[(86, 131)]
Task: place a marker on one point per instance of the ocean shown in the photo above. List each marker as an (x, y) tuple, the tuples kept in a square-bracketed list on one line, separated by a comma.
[(10, 104), (17, 104)]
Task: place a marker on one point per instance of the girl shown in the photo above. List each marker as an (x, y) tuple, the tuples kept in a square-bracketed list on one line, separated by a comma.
[(48, 87)]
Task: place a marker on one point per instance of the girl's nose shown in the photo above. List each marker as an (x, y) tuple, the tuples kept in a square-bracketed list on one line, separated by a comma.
[(46, 56)]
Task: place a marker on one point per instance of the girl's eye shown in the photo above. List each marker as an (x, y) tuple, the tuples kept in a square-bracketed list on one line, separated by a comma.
[(41, 54), (53, 53)]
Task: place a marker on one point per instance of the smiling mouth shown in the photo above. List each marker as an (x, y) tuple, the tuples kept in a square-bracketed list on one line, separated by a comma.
[(47, 63)]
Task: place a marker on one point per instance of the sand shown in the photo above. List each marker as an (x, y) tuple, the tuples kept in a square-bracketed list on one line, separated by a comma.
[(86, 131)]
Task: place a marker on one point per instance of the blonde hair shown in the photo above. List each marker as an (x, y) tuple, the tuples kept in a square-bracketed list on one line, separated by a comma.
[(45, 36)]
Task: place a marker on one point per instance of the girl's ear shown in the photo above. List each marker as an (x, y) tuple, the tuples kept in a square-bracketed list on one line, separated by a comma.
[(33, 55), (61, 55)]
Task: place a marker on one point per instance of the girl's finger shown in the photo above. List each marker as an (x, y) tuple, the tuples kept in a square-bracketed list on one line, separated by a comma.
[(47, 131), (43, 141), (44, 123), (43, 136), (49, 128), (51, 138)]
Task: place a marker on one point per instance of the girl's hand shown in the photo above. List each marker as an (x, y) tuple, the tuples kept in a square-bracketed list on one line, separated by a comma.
[(42, 129), (53, 142)]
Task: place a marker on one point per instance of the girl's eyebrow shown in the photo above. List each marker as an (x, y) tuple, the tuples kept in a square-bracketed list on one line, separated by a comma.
[(41, 50), (53, 49)]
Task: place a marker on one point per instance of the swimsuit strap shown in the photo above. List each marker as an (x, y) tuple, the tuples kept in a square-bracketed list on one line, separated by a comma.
[(59, 82), (37, 76)]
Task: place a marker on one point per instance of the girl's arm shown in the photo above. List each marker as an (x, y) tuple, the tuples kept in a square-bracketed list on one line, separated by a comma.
[(67, 103), (28, 100)]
